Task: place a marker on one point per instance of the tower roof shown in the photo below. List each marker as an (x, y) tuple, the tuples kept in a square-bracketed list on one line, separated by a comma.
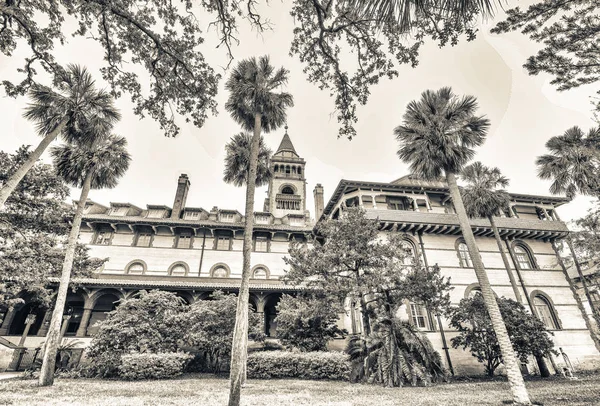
[(286, 144)]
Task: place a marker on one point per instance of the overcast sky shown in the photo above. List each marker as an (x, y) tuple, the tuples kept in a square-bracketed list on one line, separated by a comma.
[(525, 112)]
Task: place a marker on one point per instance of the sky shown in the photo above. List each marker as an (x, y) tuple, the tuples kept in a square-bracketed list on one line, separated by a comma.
[(525, 111)]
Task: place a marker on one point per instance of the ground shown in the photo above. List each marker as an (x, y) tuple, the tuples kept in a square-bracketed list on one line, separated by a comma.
[(208, 390)]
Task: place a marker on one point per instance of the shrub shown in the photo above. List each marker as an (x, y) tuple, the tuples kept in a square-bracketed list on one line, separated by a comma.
[(153, 366), (307, 322), (301, 365)]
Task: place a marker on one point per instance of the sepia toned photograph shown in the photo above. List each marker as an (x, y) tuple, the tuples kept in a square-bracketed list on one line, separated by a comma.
[(299, 202)]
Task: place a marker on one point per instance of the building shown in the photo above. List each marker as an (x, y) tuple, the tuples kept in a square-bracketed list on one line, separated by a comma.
[(193, 251), (591, 274)]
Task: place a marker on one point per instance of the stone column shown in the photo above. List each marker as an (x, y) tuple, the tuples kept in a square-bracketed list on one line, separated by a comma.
[(85, 320), (45, 324), (8, 319), (65, 324), (28, 322)]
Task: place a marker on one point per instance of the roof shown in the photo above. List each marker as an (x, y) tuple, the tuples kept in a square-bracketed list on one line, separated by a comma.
[(410, 184), (192, 283), (286, 144)]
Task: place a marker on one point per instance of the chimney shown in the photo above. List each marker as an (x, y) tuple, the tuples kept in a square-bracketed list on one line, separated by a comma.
[(319, 204), (183, 185)]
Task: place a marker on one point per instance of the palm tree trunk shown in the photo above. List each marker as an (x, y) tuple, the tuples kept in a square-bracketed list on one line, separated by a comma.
[(584, 314), (53, 337), (513, 372), (20, 173), (239, 351), (583, 281), (513, 282)]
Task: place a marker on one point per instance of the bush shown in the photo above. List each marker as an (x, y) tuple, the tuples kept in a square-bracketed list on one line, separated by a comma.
[(304, 365), (153, 366)]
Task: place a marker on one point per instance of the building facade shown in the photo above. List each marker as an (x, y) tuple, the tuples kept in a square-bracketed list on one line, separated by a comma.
[(194, 251)]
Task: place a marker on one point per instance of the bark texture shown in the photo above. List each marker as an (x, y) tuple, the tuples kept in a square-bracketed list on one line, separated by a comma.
[(513, 282), (54, 332), (239, 350), (513, 372)]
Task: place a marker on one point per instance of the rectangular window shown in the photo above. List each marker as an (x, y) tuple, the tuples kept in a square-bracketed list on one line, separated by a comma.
[(261, 219), (191, 215), (261, 244), (227, 217), (184, 241), (223, 243), (103, 238), (419, 316), (143, 240)]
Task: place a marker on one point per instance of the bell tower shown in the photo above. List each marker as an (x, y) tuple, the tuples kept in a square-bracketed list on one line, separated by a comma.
[(287, 187)]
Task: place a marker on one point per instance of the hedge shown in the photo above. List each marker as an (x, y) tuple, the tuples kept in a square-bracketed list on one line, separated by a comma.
[(138, 366), (299, 365)]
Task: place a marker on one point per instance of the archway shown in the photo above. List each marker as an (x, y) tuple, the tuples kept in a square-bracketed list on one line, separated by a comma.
[(270, 313), (21, 311), (104, 304), (74, 306)]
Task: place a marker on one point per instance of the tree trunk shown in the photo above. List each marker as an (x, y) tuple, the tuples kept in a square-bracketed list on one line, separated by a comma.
[(364, 312), (53, 337), (544, 371), (239, 350), (20, 173), (583, 281), (505, 260), (584, 314), (513, 372)]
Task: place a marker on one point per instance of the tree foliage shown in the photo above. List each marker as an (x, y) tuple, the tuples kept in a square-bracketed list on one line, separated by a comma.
[(569, 34), (307, 322), (484, 195), (166, 40), (34, 226), (237, 161), (586, 238), (528, 334), (210, 328)]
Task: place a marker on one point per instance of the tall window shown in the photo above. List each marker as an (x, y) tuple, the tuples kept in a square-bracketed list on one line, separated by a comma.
[(419, 316), (223, 243), (464, 256), (103, 238), (545, 312), (261, 244), (143, 240), (220, 272), (184, 241), (523, 257), (259, 273), (408, 252)]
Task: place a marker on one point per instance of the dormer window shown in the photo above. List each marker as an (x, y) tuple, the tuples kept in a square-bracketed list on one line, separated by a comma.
[(261, 219), (156, 213), (227, 217), (191, 215), (119, 211)]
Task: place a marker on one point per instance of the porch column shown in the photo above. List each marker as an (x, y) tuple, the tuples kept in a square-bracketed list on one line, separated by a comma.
[(8, 319), (28, 322), (65, 324), (85, 320), (45, 324), (260, 310)]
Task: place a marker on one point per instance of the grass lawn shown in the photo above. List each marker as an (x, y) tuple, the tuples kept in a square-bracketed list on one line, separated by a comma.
[(206, 390)]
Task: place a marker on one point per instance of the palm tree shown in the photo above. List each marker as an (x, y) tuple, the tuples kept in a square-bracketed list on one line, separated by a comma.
[(573, 165), (437, 138), (97, 165), (76, 110), (255, 105), (237, 161), (483, 198)]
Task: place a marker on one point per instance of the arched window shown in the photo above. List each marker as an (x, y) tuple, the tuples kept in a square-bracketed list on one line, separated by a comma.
[(259, 273), (524, 257), (178, 269), (473, 292), (464, 256), (276, 168), (287, 191), (220, 272), (299, 170), (408, 253), (136, 268), (545, 312)]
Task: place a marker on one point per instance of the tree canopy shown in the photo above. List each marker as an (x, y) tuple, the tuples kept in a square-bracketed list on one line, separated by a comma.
[(34, 226)]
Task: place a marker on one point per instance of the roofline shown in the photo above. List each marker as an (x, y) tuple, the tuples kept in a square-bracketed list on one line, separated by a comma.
[(344, 183)]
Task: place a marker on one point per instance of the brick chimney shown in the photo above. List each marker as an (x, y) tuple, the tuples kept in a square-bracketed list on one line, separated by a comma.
[(183, 185), (319, 203)]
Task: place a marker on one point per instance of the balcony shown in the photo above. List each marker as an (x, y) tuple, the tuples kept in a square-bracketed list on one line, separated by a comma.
[(442, 223)]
